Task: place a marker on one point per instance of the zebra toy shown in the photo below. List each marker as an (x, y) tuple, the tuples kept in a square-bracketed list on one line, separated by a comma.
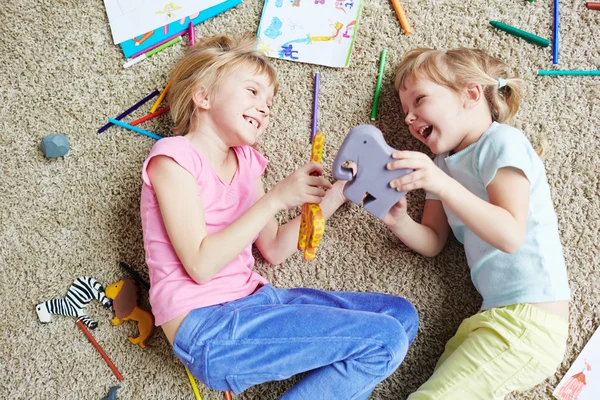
[(79, 295)]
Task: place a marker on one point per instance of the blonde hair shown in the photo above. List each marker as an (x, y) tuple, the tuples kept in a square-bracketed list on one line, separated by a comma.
[(204, 67), (458, 68)]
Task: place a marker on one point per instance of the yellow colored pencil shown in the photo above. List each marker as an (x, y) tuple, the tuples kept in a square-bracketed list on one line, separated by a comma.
[(160, 98), (194, 386), (401, 16)]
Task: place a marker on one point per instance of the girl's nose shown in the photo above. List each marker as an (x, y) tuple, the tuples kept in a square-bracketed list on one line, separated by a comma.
[(410, 118)]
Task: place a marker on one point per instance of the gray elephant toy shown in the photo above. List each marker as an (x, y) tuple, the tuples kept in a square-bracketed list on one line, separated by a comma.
[(365, 146)]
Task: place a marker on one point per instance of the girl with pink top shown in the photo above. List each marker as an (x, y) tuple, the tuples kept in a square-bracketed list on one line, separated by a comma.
[(203, 205)]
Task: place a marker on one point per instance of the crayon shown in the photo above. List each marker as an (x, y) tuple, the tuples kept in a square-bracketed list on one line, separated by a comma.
[(131, 109), (378, 86), (530, 37), (401, 16), (152, 52), (593, 5), (579, 72), (191, 34), (555, 34), (135, 129), (150, 116), (160, 98), (315, 106)]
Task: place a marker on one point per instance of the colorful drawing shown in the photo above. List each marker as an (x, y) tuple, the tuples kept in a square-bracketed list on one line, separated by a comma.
[(302, 31), (582, 381), (274, 30), (132, 18), (573, 387)]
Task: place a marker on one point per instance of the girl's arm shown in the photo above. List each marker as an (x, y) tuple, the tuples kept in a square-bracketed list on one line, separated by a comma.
[(426, 238), (277, 242), (202, 255), (503, 221)]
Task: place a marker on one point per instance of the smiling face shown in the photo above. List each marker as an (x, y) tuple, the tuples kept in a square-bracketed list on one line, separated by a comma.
[(239, 109), (435, 115)]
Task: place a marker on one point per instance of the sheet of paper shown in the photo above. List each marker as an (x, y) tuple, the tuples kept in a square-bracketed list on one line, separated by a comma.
[(312, 31), (130, 18), (582, 380)]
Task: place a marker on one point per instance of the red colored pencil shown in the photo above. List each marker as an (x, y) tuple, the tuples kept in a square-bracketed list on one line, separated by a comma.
[(150, 116), (593, 5), (102, 353)]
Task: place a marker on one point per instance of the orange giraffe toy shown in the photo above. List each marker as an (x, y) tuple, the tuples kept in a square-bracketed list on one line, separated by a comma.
[(312, 223)]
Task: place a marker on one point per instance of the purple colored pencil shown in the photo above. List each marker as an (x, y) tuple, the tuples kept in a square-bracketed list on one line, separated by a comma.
[(555, 34), (130, 109), (315, 106), (139, 53)]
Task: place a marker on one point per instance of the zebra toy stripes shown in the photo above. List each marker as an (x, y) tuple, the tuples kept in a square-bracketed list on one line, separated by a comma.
[(79, 295)]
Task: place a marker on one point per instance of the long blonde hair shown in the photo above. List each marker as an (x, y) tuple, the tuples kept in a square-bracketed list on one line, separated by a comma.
[(458, 68), (204, 67)]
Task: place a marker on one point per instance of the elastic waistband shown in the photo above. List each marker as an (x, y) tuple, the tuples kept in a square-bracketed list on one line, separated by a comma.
[(539, 317)]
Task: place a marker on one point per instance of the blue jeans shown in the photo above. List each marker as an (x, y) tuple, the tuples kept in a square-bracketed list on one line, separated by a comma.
[(348, 341)]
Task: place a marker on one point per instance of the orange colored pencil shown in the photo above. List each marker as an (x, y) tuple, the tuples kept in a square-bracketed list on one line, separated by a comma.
[(401, 17), (160, 98), (102, 353), (150, 116)]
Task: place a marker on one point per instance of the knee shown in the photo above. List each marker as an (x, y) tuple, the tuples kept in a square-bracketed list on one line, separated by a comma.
[(407, 315), (396, 343)]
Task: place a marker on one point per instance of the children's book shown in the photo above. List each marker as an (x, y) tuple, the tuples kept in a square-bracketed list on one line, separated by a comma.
[(582, 381), (150, 38), (311, 31), (130, 18)]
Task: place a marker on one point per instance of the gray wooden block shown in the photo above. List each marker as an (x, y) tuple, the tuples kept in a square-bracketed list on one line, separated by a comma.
[(55, 145)]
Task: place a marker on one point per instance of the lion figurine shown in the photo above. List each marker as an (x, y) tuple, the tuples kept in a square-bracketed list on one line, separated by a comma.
[(125, 303)]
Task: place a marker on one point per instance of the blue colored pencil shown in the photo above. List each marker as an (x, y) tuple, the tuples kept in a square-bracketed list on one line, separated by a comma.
[(578, 72), (555, 35), (315, 106), (135, 129), (131, 109)]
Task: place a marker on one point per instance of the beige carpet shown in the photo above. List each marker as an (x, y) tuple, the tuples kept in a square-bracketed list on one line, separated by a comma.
[(78, 215)]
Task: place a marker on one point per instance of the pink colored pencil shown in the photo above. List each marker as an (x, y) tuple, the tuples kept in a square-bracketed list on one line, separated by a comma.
[(157, 44), (150, 116), (191, 34)]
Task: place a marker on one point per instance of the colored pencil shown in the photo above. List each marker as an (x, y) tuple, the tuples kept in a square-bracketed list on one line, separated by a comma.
[(152, 52), (191, 34), (160, 98), (593, 5), (124, 266), (401, 16), (194, 385), (378, 86), (139, 53), (131, 109), (150, 116), (317, 83), (555, 34), (135, 129), (112, 366), (530, 37), (579, 72)]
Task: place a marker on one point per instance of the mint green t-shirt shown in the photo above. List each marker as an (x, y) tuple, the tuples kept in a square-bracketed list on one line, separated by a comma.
[(536, 272)]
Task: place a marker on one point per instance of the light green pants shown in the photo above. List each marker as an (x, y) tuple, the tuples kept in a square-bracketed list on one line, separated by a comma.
[(496, 352)]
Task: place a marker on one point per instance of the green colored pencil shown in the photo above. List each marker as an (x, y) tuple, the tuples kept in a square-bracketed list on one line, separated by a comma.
[(530, 37), (378, 87), (568, 72)]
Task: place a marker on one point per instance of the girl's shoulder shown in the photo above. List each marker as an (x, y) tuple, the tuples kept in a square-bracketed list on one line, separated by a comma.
[(252, 160)]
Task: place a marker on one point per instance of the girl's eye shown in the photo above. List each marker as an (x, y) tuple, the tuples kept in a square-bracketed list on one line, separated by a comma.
[(253, 91), (419, 99)]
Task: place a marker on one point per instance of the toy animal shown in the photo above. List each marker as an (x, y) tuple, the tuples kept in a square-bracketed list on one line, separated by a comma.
[(125, 303), (112, 393), (364, 145), (83, 290)]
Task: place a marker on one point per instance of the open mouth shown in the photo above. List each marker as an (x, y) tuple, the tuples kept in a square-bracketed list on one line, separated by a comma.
[(252, 121), (425, 131)]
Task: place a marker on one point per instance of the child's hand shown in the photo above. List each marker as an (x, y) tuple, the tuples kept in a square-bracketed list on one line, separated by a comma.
[(426, 174), (303, 186), (397, 213)]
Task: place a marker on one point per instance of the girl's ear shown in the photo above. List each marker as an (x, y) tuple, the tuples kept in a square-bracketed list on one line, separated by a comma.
[(201, 99), (474, 94)]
